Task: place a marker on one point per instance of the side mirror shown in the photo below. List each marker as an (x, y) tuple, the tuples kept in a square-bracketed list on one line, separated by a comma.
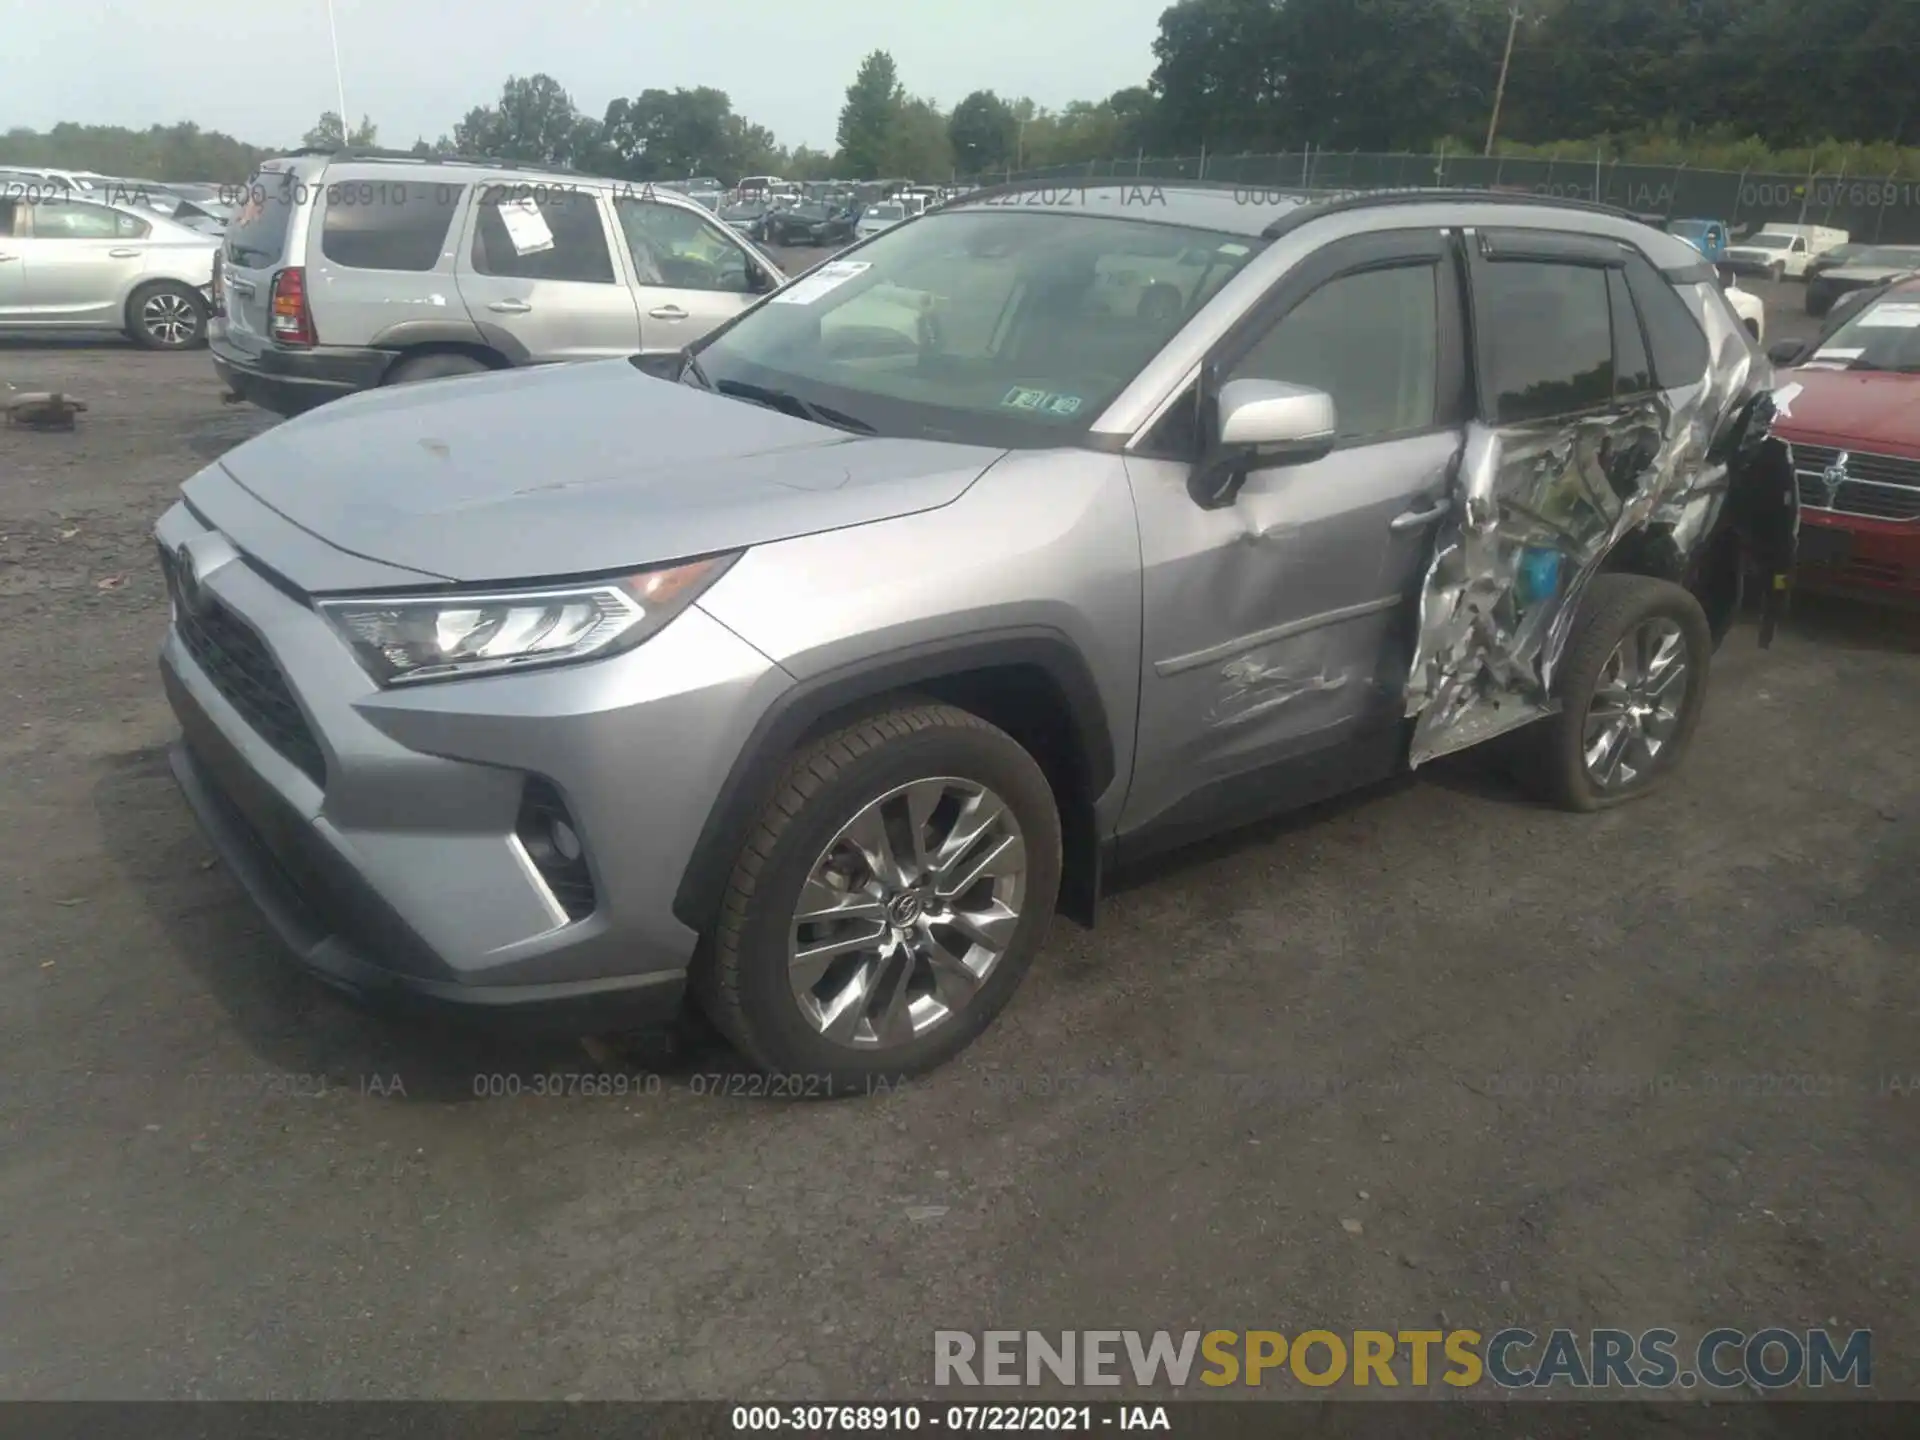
[(760, 280), (1260, 423), (1786, 352)]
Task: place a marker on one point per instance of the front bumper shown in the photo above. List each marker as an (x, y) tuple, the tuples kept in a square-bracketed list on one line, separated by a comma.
[(1853, 555), (395, 873), (290, 382)]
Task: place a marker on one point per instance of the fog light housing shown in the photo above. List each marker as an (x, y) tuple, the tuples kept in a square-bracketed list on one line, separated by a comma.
[(552, 841)]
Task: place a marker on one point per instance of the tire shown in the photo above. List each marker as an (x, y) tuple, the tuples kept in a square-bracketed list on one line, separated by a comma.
[(166, 315), (434, 367), (746, 980), (1618, 610)]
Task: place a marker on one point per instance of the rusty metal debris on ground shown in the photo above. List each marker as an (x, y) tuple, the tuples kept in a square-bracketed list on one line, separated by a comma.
[(44, 410)]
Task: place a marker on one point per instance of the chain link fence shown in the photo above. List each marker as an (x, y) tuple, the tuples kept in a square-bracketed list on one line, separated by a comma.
[(1872, 209)]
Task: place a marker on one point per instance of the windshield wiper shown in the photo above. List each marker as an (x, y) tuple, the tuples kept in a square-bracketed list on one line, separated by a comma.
[(793, 405), (693, 366)]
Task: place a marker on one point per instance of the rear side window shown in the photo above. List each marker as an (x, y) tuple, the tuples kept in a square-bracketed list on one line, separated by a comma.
[(541, 233), (77, 220), (388, 225), (257, 237), (1546, 339), (1680, 353)]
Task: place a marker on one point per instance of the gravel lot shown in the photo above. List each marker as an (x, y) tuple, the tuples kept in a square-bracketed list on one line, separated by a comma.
[(1367, 1014)]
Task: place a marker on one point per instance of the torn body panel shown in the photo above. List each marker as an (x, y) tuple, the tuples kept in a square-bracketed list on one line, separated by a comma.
[(1544, 507)]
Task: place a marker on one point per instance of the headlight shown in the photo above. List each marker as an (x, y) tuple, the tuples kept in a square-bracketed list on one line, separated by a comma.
[(403, 638)]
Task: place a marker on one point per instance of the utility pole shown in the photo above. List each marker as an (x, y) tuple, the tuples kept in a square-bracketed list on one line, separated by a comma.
[(339, 80), (1506, 62)]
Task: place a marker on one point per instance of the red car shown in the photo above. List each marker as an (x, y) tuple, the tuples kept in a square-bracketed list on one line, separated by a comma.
[(1850, 411)]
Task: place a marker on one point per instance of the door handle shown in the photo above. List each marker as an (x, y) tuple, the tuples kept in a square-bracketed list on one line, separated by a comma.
[(667, 312), (1418, 519), (124, 254), (510, 307)]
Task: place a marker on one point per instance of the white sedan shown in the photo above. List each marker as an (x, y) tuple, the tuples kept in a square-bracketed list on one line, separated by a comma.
[(70, 264)]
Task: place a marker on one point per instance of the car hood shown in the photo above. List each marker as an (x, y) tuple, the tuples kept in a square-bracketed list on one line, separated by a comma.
[(578, 469), (1869, 274), (1859, 410)]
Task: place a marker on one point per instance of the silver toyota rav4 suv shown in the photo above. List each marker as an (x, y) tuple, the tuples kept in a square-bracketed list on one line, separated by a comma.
[(1039, 532), (348, 270)]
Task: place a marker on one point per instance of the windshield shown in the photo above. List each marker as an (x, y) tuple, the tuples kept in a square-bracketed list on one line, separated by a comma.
[(1885, 336), (1006, 329), (1771, 242)]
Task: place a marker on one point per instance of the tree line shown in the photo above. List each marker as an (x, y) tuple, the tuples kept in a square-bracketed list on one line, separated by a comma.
[(1736, 83)]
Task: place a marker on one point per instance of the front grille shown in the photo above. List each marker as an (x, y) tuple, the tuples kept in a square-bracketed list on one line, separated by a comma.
[(1878, 487), (244, 671)]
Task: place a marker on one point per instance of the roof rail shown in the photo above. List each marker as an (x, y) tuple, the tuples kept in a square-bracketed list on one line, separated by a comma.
[(367, 152), (1339, 201)]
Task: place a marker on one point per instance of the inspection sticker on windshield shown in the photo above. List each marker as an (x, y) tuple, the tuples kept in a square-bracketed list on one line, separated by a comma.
[(527, 228), (1891, 317), (830, 276), (1061, 404), (1022, 398)]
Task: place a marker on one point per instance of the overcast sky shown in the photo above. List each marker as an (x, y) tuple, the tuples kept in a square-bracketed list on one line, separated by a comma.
[(262, 70)]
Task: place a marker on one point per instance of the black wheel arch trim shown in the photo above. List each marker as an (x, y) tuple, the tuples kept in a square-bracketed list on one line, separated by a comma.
[(798, 710), (411, 334)]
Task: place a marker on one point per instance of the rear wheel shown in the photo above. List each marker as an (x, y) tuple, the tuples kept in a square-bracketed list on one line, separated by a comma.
[(166, 316), (888, 902), (434, 367), (1632, 685)]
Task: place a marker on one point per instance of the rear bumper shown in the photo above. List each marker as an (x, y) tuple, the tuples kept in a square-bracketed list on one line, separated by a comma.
[(288, 382)]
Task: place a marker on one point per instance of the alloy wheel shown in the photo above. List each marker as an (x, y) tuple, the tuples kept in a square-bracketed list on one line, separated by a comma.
[(906, 912), (170, 319), (1636, 706)]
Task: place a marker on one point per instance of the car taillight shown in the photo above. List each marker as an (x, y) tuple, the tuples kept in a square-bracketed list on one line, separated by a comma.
[(292, 322), (215, 289)]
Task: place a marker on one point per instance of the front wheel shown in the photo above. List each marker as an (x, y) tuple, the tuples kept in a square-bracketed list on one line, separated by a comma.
[(1632, 685), (890, 898), (166, 316)]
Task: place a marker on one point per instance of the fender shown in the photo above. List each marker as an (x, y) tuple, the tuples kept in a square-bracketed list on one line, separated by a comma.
[(409, 334), (803, 709)]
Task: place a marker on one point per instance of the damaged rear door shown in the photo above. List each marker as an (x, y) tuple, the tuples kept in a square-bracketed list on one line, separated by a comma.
[(1278, 629), (1599, 399)]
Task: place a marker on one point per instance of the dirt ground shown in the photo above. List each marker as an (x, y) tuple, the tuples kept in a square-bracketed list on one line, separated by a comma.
[(1655, 1066)]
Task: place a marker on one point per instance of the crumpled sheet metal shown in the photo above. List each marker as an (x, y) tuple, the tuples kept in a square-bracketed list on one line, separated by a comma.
[(1487, 645)]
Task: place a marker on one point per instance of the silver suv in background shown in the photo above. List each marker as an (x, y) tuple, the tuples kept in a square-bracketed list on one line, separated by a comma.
[(1021, 540), (68, 263), (349, 270)]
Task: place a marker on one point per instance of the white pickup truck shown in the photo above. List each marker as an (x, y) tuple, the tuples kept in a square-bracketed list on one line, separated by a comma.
[(1782, 252)]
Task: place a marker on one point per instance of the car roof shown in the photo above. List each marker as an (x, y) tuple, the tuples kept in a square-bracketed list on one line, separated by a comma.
[(1253, 209)]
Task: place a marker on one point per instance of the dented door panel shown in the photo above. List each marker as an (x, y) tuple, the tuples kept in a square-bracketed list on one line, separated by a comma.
[(1278, 625)]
